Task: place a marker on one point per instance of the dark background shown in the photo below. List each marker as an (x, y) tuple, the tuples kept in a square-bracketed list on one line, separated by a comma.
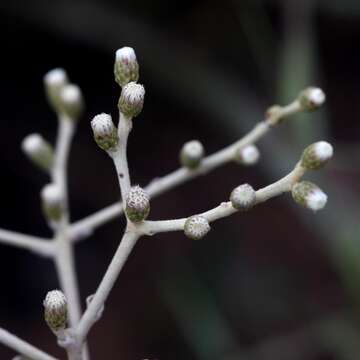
[(276, 283)]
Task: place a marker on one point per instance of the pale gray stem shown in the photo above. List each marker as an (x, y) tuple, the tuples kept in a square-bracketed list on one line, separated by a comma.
[(33, 243), (23, 347), (119, 156), (122, 253), (64, 257)]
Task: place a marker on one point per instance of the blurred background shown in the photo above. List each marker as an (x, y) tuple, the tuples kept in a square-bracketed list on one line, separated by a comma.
[(276, 283)]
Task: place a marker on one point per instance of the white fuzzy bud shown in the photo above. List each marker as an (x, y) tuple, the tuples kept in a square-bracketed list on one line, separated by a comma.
[(191, 154), (54, 81), (126, 67), (196, 227), (38, 150), (311, 98), (55, 310), (131, 99), (137, 204), (71, 101), (316, 155), (243, 197), (105, 132), (248, 155), (52, 202), (309, 195)]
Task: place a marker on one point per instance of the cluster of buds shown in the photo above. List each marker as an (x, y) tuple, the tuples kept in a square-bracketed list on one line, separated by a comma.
[(65, 98), (52, 202), (39, 151), (126, 71), (306, 193), (247, 155), (243, 197), (55, 310), (137, 204), (105, 132), (196, 227), (191, 154)]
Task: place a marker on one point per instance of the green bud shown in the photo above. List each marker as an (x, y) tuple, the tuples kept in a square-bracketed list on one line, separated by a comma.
[(311, 98), (243, 197), (137, 204), (316, 155), (131, 99), (191, 154), (126, 67), (105, 132), (55, 310), (309, 195), (196, 227)]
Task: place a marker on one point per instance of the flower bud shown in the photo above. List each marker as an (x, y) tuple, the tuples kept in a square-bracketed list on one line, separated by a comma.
[(54, 81), (309, 195), (105, 132), (126, 67), (38, 150), (137, 204), (196, 227), (55, 310), (316, 155), (131, 99), (52, 202), (191, 154), (72, 102), (311, 98), (248, 155), (243, 197)]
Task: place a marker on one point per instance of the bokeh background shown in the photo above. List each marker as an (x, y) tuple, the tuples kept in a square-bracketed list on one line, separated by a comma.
[(277, 283)]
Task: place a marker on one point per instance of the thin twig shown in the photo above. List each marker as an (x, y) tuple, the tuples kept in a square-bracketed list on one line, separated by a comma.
[(35, 244), (224, 209), (122, 253), (23, 347)]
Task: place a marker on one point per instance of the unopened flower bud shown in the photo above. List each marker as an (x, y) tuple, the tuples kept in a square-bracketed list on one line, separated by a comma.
[(54, 81), (316, 155), (248, 155), (38, 150), (131, 99), (72, 102), (55, 310), (196, 227), (311, 98), (191, 154), (243, 197), (105, 132), (52, 202), (126, 67), (137, 204), (309, 195)]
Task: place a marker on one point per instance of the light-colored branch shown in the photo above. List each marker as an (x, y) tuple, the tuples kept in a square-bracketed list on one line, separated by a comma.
[(182, 175), (119, 156), (64, 257), (23, 347), (35, 244), (224, 209), (122, 253)]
